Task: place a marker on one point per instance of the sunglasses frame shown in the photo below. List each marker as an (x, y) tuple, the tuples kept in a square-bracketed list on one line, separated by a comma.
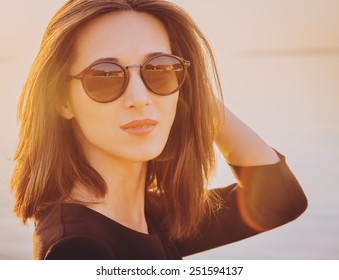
[(82, 75)]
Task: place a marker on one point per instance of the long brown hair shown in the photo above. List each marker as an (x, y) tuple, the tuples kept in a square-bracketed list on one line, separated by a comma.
[(49, 159)]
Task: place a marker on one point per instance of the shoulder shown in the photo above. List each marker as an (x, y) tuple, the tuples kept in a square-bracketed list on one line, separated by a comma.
[(68, 231), (264, 197), (78, 248)]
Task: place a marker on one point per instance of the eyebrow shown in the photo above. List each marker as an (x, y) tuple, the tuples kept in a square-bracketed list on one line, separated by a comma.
[(150, 55), (116, 60)]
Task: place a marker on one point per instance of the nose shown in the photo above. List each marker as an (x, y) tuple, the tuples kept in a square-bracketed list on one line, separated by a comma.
[(136, 94)]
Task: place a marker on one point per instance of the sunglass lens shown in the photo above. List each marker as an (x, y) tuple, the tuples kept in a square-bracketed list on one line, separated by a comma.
[(164, 74), (104, 82)]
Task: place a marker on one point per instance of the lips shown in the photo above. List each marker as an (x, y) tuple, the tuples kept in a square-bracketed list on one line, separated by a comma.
[(140, 127)]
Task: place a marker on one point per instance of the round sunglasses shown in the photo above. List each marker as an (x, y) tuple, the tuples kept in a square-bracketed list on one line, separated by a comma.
[(106, 80)]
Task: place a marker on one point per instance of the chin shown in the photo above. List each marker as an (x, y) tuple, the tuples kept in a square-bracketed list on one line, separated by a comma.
[(146, 157), (144, 154)]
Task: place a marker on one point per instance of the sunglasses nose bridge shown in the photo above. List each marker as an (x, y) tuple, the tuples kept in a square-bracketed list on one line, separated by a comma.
[(133, 66), (128, 74)]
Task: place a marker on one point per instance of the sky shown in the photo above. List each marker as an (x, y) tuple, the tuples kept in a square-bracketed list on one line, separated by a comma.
[(245, 26)]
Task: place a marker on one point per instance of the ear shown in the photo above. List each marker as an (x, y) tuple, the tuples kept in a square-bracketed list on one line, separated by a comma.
[(64, 108)]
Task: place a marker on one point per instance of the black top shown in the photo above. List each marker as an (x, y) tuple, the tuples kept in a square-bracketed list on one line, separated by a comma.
[(265, 197)]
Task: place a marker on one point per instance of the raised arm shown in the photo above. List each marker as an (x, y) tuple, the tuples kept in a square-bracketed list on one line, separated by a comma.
[(265, 196), (239, 144)]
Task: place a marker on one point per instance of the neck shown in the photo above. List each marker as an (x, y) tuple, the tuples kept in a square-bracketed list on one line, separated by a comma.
[(125, 197)]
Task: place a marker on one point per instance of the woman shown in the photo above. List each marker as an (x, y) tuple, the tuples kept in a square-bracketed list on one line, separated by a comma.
[(116, 145)]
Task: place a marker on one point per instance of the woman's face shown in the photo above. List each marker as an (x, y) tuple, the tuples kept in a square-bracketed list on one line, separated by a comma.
[(135, 127)]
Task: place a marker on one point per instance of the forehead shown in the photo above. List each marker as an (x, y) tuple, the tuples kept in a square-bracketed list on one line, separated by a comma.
[(127, 35)]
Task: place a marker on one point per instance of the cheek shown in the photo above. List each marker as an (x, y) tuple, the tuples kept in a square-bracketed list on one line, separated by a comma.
[(79, 101), (171, 107), (82, 106), (92, 117)]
